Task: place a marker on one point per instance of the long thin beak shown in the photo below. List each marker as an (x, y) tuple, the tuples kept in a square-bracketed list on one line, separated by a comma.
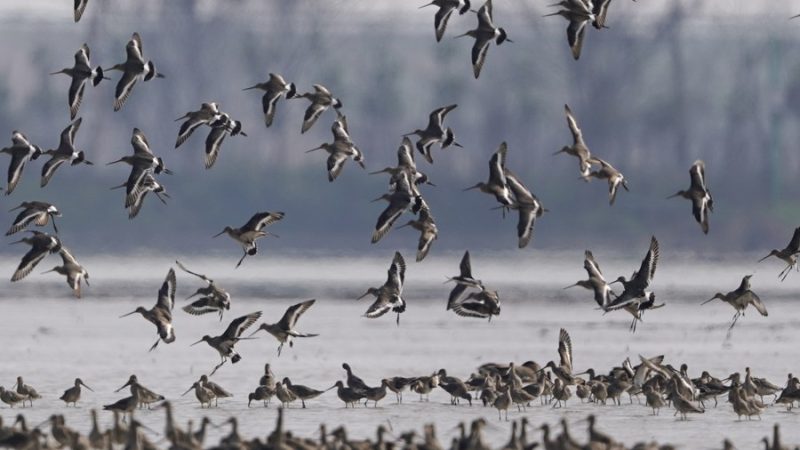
[(456, 143), (571, 285), (471, 188), (53, 219), (431, 3), (364, 295), (56, 73), (48, 271), (197, 342), (87, 387), (123, 386), (14, 209), (187, 391), (507, 40), (251, 87), (370, 173), (707, 301), (196, 293), (794, 17), (552, 14), (219, 234), (314, 149), (371, 201), (765, 257), (460, 36), (126, 315), (114, 162), (16, 242), (674, 195), (254, 332)]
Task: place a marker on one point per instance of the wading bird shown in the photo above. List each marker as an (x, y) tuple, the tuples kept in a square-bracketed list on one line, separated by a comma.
[(321, 99), (788, 254)]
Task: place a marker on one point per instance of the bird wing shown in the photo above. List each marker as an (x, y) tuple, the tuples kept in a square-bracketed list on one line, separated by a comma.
[(379, 307), (600, 10), (397, 272), (262, 219), (479, 51), (268, 103), (293, 313), (141, 148), (405, 154), (485, 15), (214, 144), (49, 169), (75, 95), (312, 114), (15, 168), (201, 276), (166, 295), (565, 349), (335, 164), (82, 57), (497, 165), (698, 176), (24, 218), (575, 32), (757, 303), (648, 268), (455, 295), (440, 20), (466, 266), (78, 8), (577, 134), (522, 194), (20, 140), (134, 48), (68, 134), (471, 308), (240, 324), (33, 257), (124, 89), (398, 203), (591, 266), (66, 257), (188, 127), (527, 220), (794, 244)]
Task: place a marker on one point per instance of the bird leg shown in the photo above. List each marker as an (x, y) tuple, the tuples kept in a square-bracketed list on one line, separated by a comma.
[(241, 260), (217, 367), (155, 345), (280, 347)]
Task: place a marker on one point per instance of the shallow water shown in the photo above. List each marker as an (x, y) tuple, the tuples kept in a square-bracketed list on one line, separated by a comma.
[(50, 339)]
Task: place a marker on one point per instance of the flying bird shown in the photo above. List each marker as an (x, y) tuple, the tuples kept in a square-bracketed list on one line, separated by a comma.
[(284, 330), (224, 126), (224, 343), (435, 133), (274, 88), (740, 299), (578, 149), (596, 283), (249, 233), (160, 315), (389, 297), (134, 68), (80, 72), (71, 269), (41, 244), (21, 151), (698, 193), (497, 185), (66, 151), (612, 175), (39, 213), (207, 114), (527, 205), (446, 8), (78, 8), (214, 298), (635, 289), (427, 230), (578, 14), (340, 149), (400, 200), (484, 35), (463, 280), (481, 304), (321, 99), (787, 254)]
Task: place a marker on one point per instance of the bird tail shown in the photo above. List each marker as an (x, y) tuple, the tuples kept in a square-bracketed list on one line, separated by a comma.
[(236, 358)]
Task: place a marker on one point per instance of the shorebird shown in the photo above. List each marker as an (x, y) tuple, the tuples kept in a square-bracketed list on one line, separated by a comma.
[(340, 149), (134, 68), (160, 315), (253, 230), (125, 405), (563, 371), (80, 72), (27, 391), (527, 205), (426, 226), (303, 392), (321, 99), (11, 398), (66, 151), (78, 8), (348, 395), (214, 298), (482, 304), (398, 384), (142, 160), (21, 151), (614, 177), (405, 163), (497, 185), (435, 133), (204, 395), (389, 297), (788, 254), (207, 114), (73, 394), (635, 289), (740, 299), (578, 149), (354, 381), (71, 269), (463, 280), (273, 88), (217, 390), (578, 13), (699, 194), (224, 343), (41, 244), (400, 200), (222, 127), (39, 213), (135, 200), (484, 35), (262, 393), (446, 8), (283, 330), (596, 282), (145, 396)]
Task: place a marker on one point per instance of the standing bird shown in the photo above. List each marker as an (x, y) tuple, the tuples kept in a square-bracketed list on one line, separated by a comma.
[(39, 213), (41, 244), (247, 234), (160, 315), (273, 89), (463, 281), (284, 330), (321, 99), (699, 194), (66, 151), (214, 298), (134, 68), (446, 8), (340, 149), (222, 127), (73, 394), (389, 297), (578, 149), (80, 72), (78, 8), (21, 151), (435, 132), (740, 299), (635, 289), (72, 270), (207, 114), (484, 35), (527, 205), (225, 342), (788, 254), (26, 390), (614, 177), (427, 230), (497, 185)]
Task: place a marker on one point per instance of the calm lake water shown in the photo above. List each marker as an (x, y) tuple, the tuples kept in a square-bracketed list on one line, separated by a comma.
[(50, 338)]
